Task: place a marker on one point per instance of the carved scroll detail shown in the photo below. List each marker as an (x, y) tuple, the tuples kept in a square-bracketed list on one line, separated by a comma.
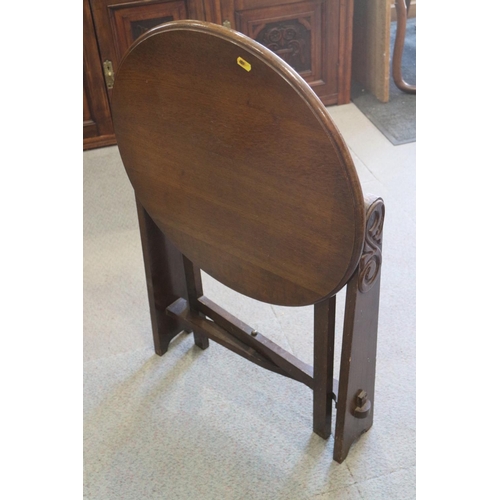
[(371, 258), (291, 40)]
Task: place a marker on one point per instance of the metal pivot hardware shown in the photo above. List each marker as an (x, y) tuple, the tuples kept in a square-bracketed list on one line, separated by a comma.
[(363, 405)]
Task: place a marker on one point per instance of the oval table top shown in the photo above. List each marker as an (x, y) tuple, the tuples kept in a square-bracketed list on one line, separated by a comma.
[(238, 162)]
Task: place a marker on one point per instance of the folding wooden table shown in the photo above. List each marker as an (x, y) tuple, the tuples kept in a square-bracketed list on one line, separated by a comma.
[(239, 170)]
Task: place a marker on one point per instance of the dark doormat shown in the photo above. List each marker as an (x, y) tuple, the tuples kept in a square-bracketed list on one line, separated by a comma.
[(396, 119)]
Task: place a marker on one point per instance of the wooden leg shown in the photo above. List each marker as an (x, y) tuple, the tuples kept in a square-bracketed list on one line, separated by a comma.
[(195, 291), (165, 279), (324, 338), (402, 10), (359, 346)]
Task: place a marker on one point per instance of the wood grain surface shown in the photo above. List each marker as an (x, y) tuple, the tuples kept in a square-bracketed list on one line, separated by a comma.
[(241, 168)]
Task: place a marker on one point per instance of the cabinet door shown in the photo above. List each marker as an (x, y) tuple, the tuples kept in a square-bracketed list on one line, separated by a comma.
[(97, 126), (119, 22), (310, 35)]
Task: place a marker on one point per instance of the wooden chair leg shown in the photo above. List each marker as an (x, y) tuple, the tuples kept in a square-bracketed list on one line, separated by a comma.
[(165, 279), (324, 339), (359, 346), (402, 10)]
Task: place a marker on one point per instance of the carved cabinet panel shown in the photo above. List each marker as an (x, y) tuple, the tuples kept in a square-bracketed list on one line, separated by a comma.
[(305, 33)]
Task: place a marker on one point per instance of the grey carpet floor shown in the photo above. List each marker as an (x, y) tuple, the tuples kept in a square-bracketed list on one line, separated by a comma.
[(208, 424), (396, 119)]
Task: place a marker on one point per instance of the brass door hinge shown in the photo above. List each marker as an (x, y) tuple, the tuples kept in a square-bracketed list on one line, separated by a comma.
[(109, 74)]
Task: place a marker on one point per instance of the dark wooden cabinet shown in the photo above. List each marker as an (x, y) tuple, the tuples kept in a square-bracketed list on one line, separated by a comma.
[(313, 36)]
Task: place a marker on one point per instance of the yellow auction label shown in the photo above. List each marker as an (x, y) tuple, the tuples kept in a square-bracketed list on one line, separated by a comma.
[(244, 64)]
